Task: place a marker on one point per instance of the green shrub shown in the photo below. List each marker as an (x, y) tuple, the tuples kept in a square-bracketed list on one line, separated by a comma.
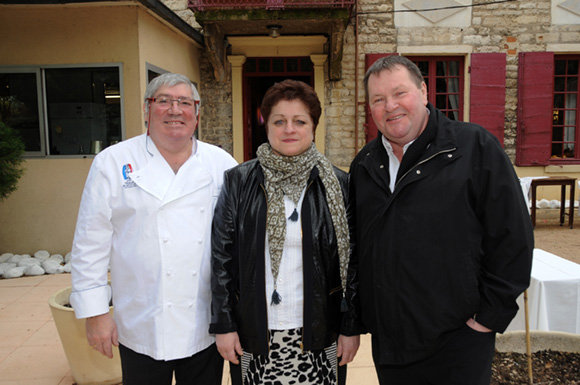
[(11, 150)]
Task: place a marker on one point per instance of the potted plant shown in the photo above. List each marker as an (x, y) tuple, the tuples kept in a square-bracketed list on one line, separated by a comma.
[(11, 150), (88, 366)]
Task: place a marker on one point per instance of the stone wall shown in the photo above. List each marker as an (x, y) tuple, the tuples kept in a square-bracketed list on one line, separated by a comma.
[(511, 27)]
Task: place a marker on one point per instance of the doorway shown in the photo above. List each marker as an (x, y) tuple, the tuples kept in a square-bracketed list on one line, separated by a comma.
[(259, 75)]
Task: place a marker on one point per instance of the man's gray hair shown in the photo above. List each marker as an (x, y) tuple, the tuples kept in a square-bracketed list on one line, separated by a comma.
[(390, 63), (169, 80)]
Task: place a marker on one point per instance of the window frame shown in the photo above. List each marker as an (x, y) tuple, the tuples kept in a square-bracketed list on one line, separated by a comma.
[(536, 110), (576, 157), (41, 90), (431, 81)]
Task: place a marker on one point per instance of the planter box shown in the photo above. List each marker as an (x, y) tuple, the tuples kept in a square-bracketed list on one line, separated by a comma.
[(88, 366), (515, 341)]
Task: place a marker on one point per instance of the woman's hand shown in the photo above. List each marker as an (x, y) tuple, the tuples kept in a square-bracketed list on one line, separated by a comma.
[(229, 346), (102, 333), (347, 348)]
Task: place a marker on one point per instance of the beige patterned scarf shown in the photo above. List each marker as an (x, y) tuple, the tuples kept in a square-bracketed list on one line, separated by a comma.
[(287, 175)]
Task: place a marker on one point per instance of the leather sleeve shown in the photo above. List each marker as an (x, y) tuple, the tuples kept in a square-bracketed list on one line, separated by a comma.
[(351, 324), (224, 260)]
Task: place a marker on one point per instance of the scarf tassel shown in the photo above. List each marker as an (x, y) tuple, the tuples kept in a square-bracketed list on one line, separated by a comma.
[(294, 216), (276, 298)]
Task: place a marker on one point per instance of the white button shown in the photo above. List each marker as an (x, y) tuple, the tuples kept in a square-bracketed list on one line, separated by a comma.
[(418, 172), (450, 155), (190, 304), (200, 241), (169, 304), (382, 166), (202, 209), (194, 273), (165, 240), (169, 273), (162, 208)]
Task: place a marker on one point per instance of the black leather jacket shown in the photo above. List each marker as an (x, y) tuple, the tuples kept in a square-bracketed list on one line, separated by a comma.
[(239, 300)]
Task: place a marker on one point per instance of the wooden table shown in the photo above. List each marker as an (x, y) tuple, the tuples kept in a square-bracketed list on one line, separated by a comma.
[(562, 181)]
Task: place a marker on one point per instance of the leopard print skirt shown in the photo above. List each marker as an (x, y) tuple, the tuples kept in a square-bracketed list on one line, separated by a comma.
[(286, 363)]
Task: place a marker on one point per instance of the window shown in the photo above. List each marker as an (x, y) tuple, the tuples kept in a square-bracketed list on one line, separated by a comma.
[(63, 111), (444, 79), (548, 129), (565, 127)]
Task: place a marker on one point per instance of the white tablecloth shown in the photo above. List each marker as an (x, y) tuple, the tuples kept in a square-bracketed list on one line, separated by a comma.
[(553, 295)]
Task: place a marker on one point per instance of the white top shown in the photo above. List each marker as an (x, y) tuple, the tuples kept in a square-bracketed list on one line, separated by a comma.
[(394, 163), (153, 227), (289, 313)]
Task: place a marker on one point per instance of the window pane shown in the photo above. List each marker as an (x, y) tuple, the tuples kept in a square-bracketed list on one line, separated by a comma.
[(441, 68), (441, 102), (560, 67), (19, 107), (557, 134), (441, 86), (84, 109), (572, 84), (560, 84), (570, 118), (424, 67), (264, 65), (250, 65), (573, 67), (559, 101), (569, 150), (278, 65), (453, 68), (292, 65), (556, 149), (306, 65)]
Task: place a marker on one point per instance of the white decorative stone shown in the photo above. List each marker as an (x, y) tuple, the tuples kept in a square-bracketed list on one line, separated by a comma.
[(52, 267), (4, 267), (543, 204), (5, 257), (34, 270), (15, 272), (42, 255), (15, 258), (67, 267), (29, 261), (68, 257), (554, 204), (56, 257)]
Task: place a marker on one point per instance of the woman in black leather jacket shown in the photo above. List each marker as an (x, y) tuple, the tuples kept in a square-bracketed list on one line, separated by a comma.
[(280, 254)]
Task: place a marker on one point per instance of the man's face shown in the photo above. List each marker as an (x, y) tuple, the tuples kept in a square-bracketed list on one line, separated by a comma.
[(172, 121), (397, 105)]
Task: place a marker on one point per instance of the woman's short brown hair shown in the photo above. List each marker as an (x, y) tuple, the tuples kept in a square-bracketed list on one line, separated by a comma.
[(291, 90)]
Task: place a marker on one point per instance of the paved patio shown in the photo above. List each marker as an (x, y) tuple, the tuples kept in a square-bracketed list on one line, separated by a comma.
[(30, 348)]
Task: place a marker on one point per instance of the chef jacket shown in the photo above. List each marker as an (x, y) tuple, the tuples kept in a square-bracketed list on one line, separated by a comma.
[(152, 227)]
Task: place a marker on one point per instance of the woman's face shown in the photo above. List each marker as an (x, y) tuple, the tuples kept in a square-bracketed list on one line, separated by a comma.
[(290, 128)]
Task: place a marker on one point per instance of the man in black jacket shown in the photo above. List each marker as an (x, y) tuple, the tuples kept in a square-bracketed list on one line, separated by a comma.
[(444, 240)]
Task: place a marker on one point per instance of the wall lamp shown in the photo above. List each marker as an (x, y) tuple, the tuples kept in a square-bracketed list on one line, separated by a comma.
[(274, 30)]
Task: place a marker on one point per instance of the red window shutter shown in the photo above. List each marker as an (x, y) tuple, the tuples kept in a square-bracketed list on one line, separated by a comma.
[(371, 129), (487, 107), (535, 105)]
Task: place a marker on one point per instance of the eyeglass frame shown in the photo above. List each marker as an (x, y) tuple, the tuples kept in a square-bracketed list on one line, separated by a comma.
[(172, 100)]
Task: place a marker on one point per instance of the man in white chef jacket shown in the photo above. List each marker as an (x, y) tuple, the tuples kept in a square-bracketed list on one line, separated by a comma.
[(146, 212)]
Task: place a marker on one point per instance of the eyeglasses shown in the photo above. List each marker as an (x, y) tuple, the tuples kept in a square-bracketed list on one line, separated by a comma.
[(183, 103)]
